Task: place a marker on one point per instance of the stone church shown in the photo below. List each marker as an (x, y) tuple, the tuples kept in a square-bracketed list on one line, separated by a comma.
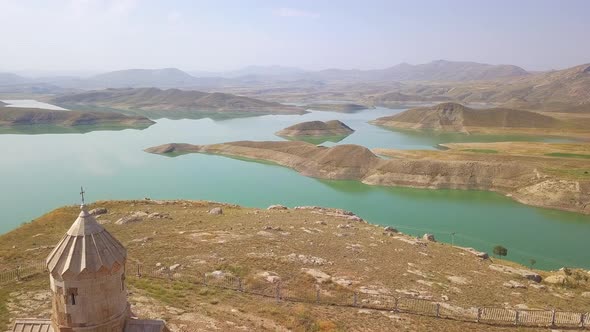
[(87, 281)]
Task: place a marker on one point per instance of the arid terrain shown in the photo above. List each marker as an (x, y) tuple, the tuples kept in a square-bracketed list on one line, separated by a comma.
[(174, 103), (16, 116), (317, 129), (300, 248), (552, 181), (453, 117)]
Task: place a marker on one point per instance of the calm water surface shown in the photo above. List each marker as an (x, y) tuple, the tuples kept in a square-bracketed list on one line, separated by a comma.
[(41, 172)]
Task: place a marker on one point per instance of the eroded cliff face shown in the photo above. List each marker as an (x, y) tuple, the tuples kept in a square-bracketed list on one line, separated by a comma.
[(520, 180), (451, 174)]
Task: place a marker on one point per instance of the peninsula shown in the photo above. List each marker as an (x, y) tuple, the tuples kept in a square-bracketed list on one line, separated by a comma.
[(172, 103), (550, 181)]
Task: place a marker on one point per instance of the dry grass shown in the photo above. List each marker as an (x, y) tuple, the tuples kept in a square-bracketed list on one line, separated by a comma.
[(245, 242)]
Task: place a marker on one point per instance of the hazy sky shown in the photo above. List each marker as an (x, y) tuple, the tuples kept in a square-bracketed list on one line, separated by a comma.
[(97, 35)]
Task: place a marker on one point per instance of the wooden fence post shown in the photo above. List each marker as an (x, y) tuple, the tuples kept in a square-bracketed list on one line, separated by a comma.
[(582, 319), (438, 310), (553, 318), (138, 271), (240, 286), (395, 308), (479, 310), (516, 317), (205, 278), (354, 299), (18, 273), (278, 292)]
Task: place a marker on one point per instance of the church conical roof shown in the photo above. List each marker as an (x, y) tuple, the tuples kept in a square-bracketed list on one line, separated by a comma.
[(86, 248)]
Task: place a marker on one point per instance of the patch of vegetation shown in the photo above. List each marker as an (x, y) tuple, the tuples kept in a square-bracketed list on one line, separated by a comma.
[(568, 155), (480, 150), (172, 293), (500, 251)]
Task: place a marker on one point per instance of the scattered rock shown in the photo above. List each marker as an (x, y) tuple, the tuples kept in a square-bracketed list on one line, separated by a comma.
[(158, 264), (479, 254), (321, 222), (132, 218), (98, 211), (174, 267), (513, 284), (428, 237), (458, 280), (390, 229), (586, 294), (264, 233), (556, 279), (158, 215), (306, 259), (277, 207), (512, 270), (216, 210), (270, 276), (318, 275), (342, 281)]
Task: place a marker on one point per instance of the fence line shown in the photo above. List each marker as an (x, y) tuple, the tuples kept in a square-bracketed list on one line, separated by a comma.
[(347, 298)]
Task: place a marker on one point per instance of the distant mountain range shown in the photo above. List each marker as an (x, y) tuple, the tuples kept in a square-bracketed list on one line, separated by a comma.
[(440, 70)]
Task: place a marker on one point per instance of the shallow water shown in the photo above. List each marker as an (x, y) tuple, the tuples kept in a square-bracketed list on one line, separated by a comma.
[(41, 172)]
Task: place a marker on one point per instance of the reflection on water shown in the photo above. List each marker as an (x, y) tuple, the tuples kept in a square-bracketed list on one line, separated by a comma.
[(29, 103)]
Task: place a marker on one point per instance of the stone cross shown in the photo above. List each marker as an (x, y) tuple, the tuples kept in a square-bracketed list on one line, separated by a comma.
[(82, 192)]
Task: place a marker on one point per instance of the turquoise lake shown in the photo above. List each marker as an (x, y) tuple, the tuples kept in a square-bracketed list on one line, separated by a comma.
[(44, 171)]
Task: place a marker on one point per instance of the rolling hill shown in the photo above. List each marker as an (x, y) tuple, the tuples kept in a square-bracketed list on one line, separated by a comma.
[(16, 116), (565, 90), (157, 102), (458, 118)]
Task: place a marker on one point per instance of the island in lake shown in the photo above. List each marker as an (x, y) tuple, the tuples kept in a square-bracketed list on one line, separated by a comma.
[(172, 103), (559, 179), (454, 117), (317, 131)]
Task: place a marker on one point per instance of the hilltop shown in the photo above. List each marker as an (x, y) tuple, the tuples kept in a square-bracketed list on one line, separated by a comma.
[(18, 117), (172, 102), (454, 117), (458, 118), (317, 129), (547, 181), (303, 249)]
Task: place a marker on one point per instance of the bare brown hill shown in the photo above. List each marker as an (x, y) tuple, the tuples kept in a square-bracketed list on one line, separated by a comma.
[(146, 101), (565, 90), (539, 181), (317, 128), (458, 118)]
